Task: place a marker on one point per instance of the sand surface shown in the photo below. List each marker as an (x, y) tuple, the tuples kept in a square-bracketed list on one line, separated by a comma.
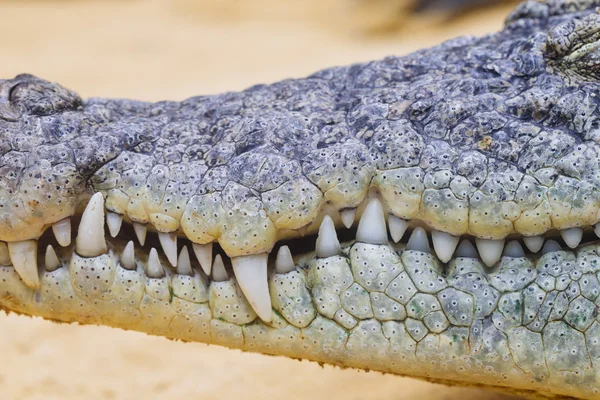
[(154, 50)]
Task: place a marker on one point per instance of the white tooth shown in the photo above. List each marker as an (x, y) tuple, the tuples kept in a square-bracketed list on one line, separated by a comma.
[(219, 274), (62, 231), (371, 227), (328, 244), (51, 260), (204, 255), (534, 243), (348, 216), (168, 241), (155, 269), (24, 258), (398, 227), (128, 257), (114, 221), (597, 229), (513, 250), (90, 236), (251, 274), (284, 262), (551, 246), (4, 255), (444, 245), (466, 250), (490, 251), (572, 236), (184, 265), (418, 241), (140, 232)]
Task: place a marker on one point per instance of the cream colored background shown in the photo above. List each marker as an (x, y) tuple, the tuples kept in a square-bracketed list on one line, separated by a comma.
[(154, 50)]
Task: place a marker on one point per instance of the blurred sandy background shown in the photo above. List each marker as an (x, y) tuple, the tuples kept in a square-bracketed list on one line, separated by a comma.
[(159, 49)]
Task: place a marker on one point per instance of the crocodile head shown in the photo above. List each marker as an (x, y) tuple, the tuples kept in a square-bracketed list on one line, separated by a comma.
[(431, 215)]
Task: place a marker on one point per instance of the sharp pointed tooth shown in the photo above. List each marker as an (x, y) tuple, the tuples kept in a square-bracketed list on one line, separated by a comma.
[(140, 232), (168, 241), (534, 243), (418, 241), (551, 246), (204, 255), (184, 265), (251, 274), (62, 232), (444, 245), (114, 221), (284, 262), (466, 250), (328, 244), (371, 227), (154, 268), (513, 250), (128, 257), (90, 236), (51, 260), (597, 229), (572, 236), (348, 216), (398, 227), (490, 251), (4, 254), (24, 258), (219, 274)]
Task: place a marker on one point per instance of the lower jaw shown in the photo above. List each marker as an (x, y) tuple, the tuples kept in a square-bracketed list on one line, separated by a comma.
[(522, 328)]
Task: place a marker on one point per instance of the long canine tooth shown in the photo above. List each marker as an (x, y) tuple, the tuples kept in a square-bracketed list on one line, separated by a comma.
[(418, 241), (204, 255), (51, 260), (328, 244), (284, 262), (444, 245), (155, 269), (128, 257), (398, 227), (168, 241), (62, 231), (490, 251), (514, 250), (114, 221), (572, 236), (466, 250), (551, 246), (90, 236), (140, 232), (534, 243), (251, 274), (371, 227), (219, 274), (597, 229), (184, 265), (24, 258), (4, 254), (348, 216)]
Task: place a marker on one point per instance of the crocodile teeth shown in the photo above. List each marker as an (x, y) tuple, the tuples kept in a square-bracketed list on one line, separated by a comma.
[(534, 243), (114, 221), (328, 244), (90, 236), (444, 245), (466, 250), (418, 241), (140, 232), (154, 268), (251, 274), (184, 265), (572, 236), (513, 250), (24, 258), (490, 251), (597, 229), (128, 257), (550, 247), (348, 217), (4, 254), (284, 262), (62, 232), (371, 227), (398, 227), (219, 274), (204, 255), (168, 241), (51, 260)]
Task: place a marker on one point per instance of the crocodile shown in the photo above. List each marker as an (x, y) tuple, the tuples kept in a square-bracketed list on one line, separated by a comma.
[(433, 215)]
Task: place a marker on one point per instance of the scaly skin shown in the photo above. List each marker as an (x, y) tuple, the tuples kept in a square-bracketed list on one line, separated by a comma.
[(487, 137)]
